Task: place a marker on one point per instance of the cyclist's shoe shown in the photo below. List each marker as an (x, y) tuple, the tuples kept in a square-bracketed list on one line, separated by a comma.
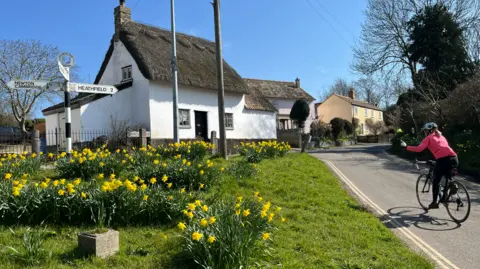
[(433, 205)]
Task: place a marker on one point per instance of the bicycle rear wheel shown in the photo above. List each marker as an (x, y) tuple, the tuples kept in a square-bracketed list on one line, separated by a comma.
[(424, 188), (458, 203)]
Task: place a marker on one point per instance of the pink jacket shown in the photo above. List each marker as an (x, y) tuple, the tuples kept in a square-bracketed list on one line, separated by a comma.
[(437, 144)]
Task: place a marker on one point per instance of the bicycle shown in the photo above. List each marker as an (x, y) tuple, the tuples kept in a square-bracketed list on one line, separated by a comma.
[(450, 190)]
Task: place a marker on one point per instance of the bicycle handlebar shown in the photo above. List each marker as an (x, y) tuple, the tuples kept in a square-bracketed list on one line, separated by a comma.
[(416, 162)]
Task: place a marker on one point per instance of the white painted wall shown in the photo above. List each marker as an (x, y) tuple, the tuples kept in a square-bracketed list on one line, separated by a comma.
[(57, 121), (129, 105), (194, 99), (284, 107)]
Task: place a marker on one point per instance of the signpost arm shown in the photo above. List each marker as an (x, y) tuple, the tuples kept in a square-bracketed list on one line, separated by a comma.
[(68, 119)]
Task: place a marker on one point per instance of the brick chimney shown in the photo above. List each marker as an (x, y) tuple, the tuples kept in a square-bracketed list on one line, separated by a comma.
[(297, 83), (351, 93), (122, 15)]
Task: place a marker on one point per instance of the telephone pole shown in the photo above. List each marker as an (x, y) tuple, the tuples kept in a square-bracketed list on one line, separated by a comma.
[(222, 143), (174, 74)]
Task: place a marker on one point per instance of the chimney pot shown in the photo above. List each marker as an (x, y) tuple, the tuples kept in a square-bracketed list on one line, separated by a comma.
[(297, 83)]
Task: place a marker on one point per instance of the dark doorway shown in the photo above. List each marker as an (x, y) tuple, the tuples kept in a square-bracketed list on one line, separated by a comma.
[(201, 126)]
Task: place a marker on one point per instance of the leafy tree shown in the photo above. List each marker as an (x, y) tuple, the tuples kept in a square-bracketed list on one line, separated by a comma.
[(300, 112), (438, 45), (338, 126), (374, 126)]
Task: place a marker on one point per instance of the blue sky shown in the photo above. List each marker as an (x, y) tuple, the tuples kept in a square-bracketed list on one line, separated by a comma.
[(265, 39)]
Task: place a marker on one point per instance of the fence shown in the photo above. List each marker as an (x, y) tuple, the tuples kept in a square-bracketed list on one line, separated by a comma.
[(54, 141)]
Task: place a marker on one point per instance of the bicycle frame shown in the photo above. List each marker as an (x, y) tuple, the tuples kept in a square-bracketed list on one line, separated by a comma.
[(442, 194)]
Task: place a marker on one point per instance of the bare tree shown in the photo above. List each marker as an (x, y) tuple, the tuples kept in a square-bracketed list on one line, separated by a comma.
[(384, 42), (27, 60), (368, 90), (339, 86)]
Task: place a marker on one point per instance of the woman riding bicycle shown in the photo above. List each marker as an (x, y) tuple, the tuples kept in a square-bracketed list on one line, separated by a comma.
[(446, 158)]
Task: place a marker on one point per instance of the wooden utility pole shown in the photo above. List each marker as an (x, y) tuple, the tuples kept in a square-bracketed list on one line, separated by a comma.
[(222, 143)]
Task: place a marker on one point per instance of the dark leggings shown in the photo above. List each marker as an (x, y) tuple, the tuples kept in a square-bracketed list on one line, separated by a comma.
[(443, 167)]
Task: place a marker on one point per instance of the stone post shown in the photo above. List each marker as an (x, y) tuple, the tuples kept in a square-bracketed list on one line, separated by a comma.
[(214, 142), (36, 142), (143, 138)]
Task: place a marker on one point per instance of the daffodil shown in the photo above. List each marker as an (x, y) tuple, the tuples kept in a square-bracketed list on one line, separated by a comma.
[(156, 162), (55, 183), (211, 239), (77, 181), (153, 180), (61, 192), (44, 185), (283, 219), (190, 214), (191, 206), (237, 212), (246, 212), (270, 217), (202, 185), (84, 195), (145, 197), (198, 202), (170, 198), (196, 236), (182, 190), (169, 185), (203, 223), (204, 208), (164, 178), (143, 187), (266, 236), (8, 176)]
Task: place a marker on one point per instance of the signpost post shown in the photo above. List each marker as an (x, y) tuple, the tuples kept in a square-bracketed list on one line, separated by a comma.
[(65, 62)]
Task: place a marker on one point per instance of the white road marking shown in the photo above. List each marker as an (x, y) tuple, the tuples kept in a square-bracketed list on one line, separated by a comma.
[(438, 258)]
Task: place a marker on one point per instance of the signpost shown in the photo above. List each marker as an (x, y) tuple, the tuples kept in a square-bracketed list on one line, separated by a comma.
[(65, 62), (92, 88), (27, 84)]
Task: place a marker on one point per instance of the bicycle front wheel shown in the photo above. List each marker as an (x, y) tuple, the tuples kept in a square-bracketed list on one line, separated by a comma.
[(458, 202), (424, 188)]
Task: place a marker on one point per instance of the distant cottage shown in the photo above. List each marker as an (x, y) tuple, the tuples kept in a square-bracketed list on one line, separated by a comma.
[(138, 63)]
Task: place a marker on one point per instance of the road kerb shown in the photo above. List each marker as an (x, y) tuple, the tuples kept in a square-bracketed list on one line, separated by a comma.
[(438, 258)]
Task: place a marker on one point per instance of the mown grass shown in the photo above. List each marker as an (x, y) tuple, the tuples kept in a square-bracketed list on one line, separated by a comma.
[(325, 227)]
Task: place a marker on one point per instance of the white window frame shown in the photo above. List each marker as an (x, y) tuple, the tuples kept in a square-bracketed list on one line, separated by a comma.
[(355, 109), (371, 113), (127, 73), (226, 121), (366, 112), (189, 119)]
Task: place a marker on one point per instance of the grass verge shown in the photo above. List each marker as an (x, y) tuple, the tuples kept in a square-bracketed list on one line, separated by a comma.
[(325, 228)]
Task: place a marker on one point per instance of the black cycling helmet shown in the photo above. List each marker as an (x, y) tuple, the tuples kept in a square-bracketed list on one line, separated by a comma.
[(430, 126)]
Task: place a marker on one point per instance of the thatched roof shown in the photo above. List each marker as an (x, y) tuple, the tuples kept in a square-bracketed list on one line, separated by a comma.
[(358, 102), (81, 99), (278, 89), (151, 47)]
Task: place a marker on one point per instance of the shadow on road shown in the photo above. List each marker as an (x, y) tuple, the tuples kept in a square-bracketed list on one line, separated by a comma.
[(417, 217), (370, 149)]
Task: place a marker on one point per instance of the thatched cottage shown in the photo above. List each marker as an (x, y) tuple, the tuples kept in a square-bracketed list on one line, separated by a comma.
[(138, 62)]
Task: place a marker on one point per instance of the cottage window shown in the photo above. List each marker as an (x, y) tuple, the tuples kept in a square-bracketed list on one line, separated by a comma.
[(371, 113), (229, 121), (126, 73), (355, 108), (184, 118), (366, 112)]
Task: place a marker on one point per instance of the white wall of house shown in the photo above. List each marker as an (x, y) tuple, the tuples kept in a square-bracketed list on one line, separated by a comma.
[(284, 106), (127, 105), (57, 121), (195, 99)]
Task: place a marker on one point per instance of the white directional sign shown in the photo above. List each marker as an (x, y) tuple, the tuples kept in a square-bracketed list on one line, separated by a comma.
[(65, 61), (92, 88), (27, 84)]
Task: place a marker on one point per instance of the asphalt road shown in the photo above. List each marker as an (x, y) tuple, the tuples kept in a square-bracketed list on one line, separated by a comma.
[(390, 183)]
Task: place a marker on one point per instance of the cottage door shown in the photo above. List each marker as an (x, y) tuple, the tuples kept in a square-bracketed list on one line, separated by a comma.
[(201, 127)]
